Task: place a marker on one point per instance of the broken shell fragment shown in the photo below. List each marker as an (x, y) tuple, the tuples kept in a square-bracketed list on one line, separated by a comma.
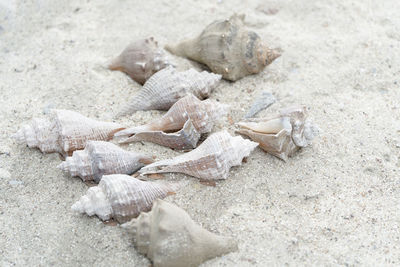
[(209, 161), (140, 60), (102, 158), (281, 135), (121, 197), (263, 101), (170, 238), (227, 48)]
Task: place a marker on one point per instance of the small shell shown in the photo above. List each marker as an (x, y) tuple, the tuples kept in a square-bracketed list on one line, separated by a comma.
[(140, 60), (281, 135), (101, 158), (265, 100), (64, 131), (121, 197), (167, 86), (227, 48), (202, 114), (170, 238), (209, 161)]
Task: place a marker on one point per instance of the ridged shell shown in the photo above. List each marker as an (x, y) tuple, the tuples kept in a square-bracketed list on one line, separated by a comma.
[(140, 60), (281, 135), (227, 48), (167, 86), (170, 238), (202, 114), (64, 131), (121, 197), (101, 158), (265, 100), (209, 161)]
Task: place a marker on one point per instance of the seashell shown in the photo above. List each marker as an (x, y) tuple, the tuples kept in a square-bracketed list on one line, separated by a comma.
[(140, 60), (281, 135), (170, 238), (121, 197), (265, 100), (227, 48), (209, 161), (167, 86), (64, 131), (202, 115), (101, 158)]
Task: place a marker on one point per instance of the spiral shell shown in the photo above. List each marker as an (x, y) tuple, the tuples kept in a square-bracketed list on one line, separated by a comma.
[(64, 131), (209, 161), (140, 60), (101, 158), (170, 238), (167, 86), (283, 134), (121, 197), (227, 48)]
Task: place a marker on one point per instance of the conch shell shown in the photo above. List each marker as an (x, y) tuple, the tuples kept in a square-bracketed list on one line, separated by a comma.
[(140, 60), (209, 161), (281, 135), (101, 158), (167, 86), (170, 238), (227, 48), (121, 197), (202, 114), (64, 131)]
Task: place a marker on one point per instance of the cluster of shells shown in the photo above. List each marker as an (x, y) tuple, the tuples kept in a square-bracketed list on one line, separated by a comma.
[(162, 231)]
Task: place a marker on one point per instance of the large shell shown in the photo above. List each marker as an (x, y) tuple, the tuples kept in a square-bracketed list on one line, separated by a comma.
[(202, 114), (263, 101), (101, 158), (281, 135), (170, 238), (140, 60), (227, 48), (209, 161), (65, 131), (121, 197), (167, 86)]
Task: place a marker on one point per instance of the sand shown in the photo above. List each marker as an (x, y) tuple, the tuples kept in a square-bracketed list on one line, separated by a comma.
[(334, 203)]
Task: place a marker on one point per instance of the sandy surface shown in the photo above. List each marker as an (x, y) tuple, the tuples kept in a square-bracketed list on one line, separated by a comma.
[(334, 203)]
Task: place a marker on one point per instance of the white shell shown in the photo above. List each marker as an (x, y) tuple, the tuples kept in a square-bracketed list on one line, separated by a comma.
[(167, 86), (101, 158), (121, 197), (170, 238), (209, 161), (64, 131)]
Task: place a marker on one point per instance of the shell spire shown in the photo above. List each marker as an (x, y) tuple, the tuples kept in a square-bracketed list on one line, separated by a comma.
[(102, 158), (121, 197), (170, 238)]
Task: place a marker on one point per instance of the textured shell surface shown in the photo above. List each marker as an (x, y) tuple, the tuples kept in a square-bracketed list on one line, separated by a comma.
[(209, 161), (170, 238), (64, 131), (283, 134), (263, 101), (121, 197), (140, 60), (102, 158), (168, 85), (227, 48)]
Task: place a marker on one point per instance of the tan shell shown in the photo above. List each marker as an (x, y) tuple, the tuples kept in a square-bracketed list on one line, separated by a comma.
[(167, 86), (101, 158), (281, 135), (209, 161), (202, 114), (140, 60), (170, 238), (64, 131), (121, 197), (227, 48)]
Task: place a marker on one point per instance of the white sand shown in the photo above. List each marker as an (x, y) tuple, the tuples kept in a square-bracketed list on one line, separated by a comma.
[(335, 203)]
